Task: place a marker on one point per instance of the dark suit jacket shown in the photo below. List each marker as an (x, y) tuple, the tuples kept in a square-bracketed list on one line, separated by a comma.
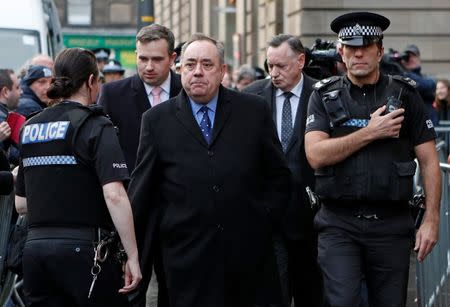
[(6, 177), (212, 205), (125, 101), (298, 219)]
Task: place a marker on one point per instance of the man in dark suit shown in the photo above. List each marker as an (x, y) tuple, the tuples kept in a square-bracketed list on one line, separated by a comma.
[(125, 100), (287, 93), (212, 178)]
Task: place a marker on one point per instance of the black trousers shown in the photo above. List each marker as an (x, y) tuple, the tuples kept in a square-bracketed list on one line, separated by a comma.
[(352, 247), (57, 272), (304, 273), (300, 276), (140, 300)]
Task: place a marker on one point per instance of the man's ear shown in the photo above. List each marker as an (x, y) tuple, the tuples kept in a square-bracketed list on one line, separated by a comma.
[(380, 53), (301, 60), (223, 68), (4, 91), (172, 57)]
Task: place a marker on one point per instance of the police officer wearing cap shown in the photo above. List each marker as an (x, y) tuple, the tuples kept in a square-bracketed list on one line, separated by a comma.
[(70, 185), (113, 71), (102, 56), (363, 132)]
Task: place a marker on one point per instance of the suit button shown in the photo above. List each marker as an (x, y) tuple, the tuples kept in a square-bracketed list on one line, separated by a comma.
[(216, 188), (210, 153)]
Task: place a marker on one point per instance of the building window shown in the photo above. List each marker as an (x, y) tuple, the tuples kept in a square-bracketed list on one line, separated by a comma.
[(79, 12), (120, 13)]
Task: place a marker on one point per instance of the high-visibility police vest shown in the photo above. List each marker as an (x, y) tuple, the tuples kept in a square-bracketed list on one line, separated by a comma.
[(381, 171), (60, 189)]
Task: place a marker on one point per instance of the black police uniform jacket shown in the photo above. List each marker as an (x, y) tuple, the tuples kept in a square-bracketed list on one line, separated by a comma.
[(60, 189), (382, 170), (213, 206)]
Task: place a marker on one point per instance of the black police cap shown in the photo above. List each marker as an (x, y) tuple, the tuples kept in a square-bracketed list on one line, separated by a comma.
[(359, 28), (113, 66), (101, 53)]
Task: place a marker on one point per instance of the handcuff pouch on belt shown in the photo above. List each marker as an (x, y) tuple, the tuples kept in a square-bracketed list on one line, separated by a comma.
[(335, 108), (314, 200), (110, 241), (417, 205)]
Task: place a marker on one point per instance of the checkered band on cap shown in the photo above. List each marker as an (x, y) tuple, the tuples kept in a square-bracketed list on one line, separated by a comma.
[(357, 30)]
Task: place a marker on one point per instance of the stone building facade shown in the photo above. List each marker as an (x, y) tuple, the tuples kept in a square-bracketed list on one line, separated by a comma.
[(247, 25)]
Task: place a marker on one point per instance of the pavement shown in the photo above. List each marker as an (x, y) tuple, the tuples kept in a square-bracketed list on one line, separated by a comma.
[(411, 295), (152, 292)]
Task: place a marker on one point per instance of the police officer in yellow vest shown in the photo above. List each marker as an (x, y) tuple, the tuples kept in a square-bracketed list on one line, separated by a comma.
[(363, 132)]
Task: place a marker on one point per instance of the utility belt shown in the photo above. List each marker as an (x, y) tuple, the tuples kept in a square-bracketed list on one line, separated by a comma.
[(367, 210), (93, 234), (106, 244), (372, 210)]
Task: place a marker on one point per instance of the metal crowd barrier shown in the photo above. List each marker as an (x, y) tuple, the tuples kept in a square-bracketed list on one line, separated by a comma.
[(10, 284), (443, 133), (6, 211), (432, 274)]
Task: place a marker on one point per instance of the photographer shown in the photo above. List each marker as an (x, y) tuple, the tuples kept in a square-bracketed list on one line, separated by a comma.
[(426, 87)]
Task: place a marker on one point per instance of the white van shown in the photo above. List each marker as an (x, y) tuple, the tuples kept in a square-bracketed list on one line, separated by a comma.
[(27, 28)]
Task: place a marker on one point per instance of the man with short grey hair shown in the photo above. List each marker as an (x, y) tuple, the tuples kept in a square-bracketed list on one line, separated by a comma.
[(245, 76), (209, 197), (287, 93)]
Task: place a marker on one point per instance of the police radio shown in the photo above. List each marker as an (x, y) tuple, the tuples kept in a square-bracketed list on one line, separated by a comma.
[(393, 103)]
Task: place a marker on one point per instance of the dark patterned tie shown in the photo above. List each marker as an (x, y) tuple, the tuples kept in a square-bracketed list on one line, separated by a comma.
[(286, 121), (205, 124)]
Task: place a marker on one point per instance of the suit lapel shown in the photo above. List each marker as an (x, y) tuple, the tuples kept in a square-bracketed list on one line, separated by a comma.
[(223, 112), (185, 116), (299, 124), (140, 94), (268, 93), (175, 84)]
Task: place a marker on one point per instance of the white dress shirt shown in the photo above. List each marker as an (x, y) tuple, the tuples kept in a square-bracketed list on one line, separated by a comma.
[(295, 99)]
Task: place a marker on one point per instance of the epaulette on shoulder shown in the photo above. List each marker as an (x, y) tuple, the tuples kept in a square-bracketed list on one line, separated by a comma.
[(97, 109), (33, 114), (405, 80), (325, 82)]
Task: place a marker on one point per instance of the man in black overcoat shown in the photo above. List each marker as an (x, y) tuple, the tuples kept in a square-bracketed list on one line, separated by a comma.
[(211, 182)]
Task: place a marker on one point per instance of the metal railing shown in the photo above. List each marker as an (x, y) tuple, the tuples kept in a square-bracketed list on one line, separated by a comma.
[(432, 274), (443, 133), (9, 283)]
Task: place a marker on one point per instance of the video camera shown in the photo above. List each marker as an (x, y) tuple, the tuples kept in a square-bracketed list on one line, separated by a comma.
[(391, 63), (321, 59), (397, 56)]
